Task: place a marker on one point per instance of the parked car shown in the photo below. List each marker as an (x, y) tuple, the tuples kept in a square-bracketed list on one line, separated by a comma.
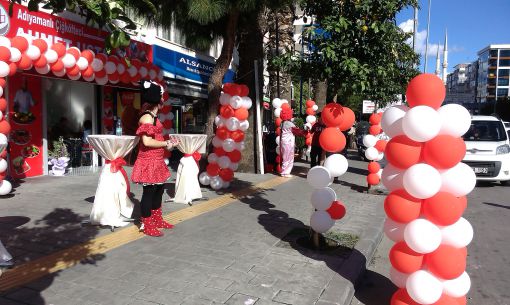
[(507, 125), (361, 130), (488, 149)]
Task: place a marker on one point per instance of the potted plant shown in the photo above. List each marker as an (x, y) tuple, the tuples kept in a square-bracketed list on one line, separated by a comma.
[(58, 158)]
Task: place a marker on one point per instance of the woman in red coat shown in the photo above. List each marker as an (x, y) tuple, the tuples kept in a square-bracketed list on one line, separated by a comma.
[(150, 169)]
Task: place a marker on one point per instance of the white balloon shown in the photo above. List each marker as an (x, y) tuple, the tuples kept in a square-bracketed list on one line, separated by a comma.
[(391, 121), (3, 139), (63, 72), (322, 198), (422, 181), (219, 121), (311, 119), (170, 116), (226, 184), (392, 178), (308, 126), (284, 101), (244, 125), (234, 166), (212, 158), (132, 71), (277, 103), (152, 74), (204, 178), (74, 77), (216, 183), (1, 114), (68, 60), (229, 145), (232, 124), (458, 287), (315, 107), (459, 180), (143, 72), (33, 52), (398, 278), (321, 221), (455, 120), (369, 140), (278, 149), (29, 67), (82, 63), (277, 140), (379, 157), (161, 75), (15, 54), (371, 153), (224, 162), (236, 102), (247, 102), (5, 187), (240, 146), (110, 67), (4, 69), (102, 81), (422, 236), (379, 173), (217, 142), (421, 123), (394, 230), (337, 165), (319, 177), (3, 165), (43, 70), (225, 99), (424, 288), (458, 235), (97, 65), (277, 112), (5, 42), (51, 56)]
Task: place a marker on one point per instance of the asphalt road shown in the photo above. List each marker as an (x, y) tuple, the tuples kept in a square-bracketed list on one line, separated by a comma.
[(489, 253)]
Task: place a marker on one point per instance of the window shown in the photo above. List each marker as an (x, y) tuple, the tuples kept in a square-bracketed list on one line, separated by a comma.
[(504, 72), (503, 81), (486, 131), (504, 53), (502, 92), (494, 53), (504, 62)]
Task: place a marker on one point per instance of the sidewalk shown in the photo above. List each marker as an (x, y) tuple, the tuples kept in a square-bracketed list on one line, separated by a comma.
[(238, 249)]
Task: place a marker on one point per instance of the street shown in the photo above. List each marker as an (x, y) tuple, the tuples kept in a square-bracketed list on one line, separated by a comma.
[(488, 264)]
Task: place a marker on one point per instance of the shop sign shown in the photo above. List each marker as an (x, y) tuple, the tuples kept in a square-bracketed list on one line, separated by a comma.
[(185, 66), (368, 107)]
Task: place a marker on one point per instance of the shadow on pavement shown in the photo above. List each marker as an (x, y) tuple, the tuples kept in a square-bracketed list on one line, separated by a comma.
[(496, 205), (30, 244), (375, 289)]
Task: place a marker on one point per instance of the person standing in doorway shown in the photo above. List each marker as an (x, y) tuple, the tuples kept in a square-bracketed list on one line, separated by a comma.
[(316, 152), (23, 100)]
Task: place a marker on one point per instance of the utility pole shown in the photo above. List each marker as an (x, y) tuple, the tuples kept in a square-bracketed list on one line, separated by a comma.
[(277, 54), (427, 43), (415, 30)]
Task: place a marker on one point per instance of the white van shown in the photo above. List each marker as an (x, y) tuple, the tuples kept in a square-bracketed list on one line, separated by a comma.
[(488, 149)]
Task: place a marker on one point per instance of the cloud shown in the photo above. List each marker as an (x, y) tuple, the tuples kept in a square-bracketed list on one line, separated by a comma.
[(421, 40)]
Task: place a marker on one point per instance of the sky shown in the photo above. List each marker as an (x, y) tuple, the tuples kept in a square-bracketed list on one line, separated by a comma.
[(472, 25)]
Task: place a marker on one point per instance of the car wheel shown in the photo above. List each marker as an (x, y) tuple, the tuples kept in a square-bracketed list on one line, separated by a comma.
[(505, 183)]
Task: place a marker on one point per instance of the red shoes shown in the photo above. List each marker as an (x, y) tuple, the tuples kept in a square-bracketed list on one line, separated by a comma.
[(149, 228), (159, 222)]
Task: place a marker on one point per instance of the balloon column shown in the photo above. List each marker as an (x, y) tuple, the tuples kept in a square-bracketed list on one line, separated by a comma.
[(231, 123), (375, 149), (5, 129), (278, 105), (428, 184), (324, 199), (311, 108)]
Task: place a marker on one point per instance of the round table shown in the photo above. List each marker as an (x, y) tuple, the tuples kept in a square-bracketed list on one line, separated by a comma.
[(112, 206), (187, 187)]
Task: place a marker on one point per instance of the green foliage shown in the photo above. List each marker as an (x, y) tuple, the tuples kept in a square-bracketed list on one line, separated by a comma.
[(59, 149), (300, 141)]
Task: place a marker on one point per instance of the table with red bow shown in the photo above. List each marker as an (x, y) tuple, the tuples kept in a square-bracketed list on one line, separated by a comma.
[(112, 206)]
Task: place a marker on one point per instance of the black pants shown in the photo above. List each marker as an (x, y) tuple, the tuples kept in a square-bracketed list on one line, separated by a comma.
[(315, 156), (151, 199)]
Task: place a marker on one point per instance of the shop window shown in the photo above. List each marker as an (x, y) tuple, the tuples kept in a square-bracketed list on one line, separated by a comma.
[(504, 72), (504, 53), (504, 62), (502, 92), (194, 116)]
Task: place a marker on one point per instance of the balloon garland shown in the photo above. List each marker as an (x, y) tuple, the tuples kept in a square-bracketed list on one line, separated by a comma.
[(428, 184), (26, 53), (231, 123), (375, 149), (311, 109), (324, 199), (278, 105)]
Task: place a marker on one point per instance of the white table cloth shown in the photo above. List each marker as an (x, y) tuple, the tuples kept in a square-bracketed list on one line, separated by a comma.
[(187, 187), (112, 206)]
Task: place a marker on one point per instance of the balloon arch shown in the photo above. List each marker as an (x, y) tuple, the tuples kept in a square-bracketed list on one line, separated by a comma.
[(20, 53)]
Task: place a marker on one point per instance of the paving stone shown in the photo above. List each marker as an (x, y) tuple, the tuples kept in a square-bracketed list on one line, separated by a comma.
[(197, 301), (288, 297), (142, 302), (208, 293), (107, 297), (242, 299), (218, 283), (160, 296), (263, 292), (263, 280)]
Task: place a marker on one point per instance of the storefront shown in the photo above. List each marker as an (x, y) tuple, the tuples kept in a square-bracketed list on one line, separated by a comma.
[(47, 106)]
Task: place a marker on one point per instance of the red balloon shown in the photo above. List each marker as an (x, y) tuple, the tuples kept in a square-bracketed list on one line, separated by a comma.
[(285, 106), (244, 90), (444, 151), (88, 55), (13, 68), (101, 74), (5, 54), (401, 297), (166, 95), (25, 62), (427, 90), (20, 43), (337, 210), (237, 135), (461, 300), (227, 111), (310, 111), (381, 145), (125, 78), (332, 139), (114, 77), (60, 48), (375, 119), (220, 152), (222, 133), (228, 88), (278, 131), (167, 124), (402, 207), (102, 57), (3, 104), (41, 44), (213, 169), (73, 71), (3, 155), (375, 130), (332, 115), (444, 209), (374, 167), (227, 174), (310, 104), (446, 300), (88, 72), (241, 114), (5, 127), (348, 119), (278, 122), (308, 141), (234, 156), (41, 62), (373, 179), (57, 66), (2, 82), (404, 259), (278, 159), (115, 60), (403, 152), (75, 52), (447, 262)]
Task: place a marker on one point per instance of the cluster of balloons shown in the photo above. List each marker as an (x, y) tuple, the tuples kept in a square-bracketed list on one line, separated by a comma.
[(166, 116), (375, 148), (278, 105), (428, 184), (337, 119), (231, 123), (26, 53), (311, 109), (5, 129)]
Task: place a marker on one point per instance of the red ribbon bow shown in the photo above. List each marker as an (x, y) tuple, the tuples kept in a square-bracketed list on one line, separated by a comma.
[(196, 155), (117, 165)]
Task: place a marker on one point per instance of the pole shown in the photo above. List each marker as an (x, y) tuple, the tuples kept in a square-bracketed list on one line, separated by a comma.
[(259, 119), (427, 43), (277, 54), (301, 76), (415, 30)]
